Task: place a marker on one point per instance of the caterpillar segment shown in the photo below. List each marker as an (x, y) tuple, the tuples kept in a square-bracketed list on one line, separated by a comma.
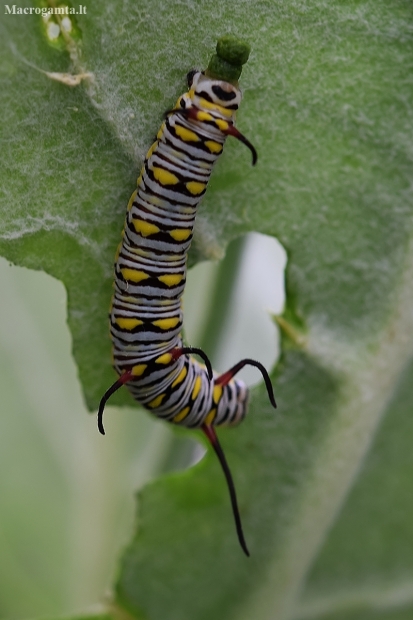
[(150, 269)]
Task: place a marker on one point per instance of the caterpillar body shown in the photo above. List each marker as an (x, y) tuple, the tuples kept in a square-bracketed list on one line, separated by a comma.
[(150, 265)]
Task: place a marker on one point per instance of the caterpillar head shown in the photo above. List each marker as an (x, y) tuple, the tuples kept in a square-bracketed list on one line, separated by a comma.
[(204, 91)]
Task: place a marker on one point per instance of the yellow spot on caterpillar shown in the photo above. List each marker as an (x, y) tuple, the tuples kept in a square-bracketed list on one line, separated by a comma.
[(166, 358), (207, 104), (132, 198), (204, 116), (214, 147), (160, 132), (210, 417), (128, 324), (225, 112), (180, 377), (214, 106), (171, 279), (181, 415), (166, 323), (139, 369), (222, 125), (180, 234), (151, 150), (186, 134), (195, 187), (164, 176), (139, 179), (205, 165), (145, 228), (155, 200), (134, 275), (216, 394), (156, 401), (197, 387)]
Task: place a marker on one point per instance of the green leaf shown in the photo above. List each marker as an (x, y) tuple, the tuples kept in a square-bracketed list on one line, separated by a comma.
[(328, 105), (373, 537)]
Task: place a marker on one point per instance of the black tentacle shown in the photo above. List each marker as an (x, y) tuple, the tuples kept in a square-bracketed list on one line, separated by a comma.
[(213, 439)]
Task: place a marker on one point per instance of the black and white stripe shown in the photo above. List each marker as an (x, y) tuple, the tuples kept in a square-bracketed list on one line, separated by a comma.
[(150, 269)]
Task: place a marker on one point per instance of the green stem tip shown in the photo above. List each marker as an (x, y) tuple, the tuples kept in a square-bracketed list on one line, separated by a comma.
[(227, 63)]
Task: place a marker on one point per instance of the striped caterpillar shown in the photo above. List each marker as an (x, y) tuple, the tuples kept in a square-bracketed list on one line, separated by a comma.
[(150, 265)]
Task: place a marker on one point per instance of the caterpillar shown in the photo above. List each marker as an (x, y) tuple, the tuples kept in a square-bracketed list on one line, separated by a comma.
[(150, 265)]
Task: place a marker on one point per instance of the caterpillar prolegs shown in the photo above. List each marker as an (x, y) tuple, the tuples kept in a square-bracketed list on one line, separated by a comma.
[(150, 265)]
